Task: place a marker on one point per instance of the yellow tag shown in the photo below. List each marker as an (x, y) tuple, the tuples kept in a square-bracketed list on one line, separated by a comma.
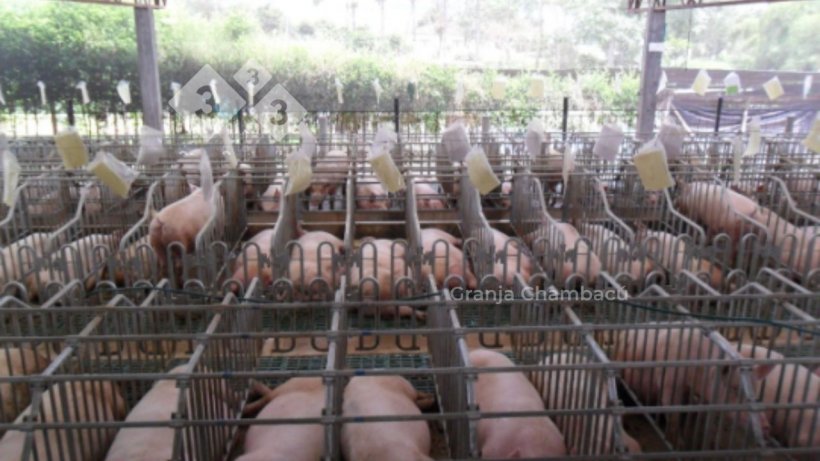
[(387, 171), (650, 161), (499, 89), (701, 83), (773, 88), (11, 177), (113, 173), (72, 149), (299, 174), (537, 88), (812, 141), (480, 172)]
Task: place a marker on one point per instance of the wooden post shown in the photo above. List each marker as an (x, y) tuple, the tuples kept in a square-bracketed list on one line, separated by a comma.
[(650, 73), (148, 69)]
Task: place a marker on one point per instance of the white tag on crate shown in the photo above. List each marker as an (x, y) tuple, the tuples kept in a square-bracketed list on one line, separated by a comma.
[(339, 89), (662, 83), (124, 91), (2, 96), (806, 86), (151, 148), (737, 156), (671, 135), (499, 89), (773, 88), (537, 88), (382, 162), (71, 149), (83, 87), (455, 141), (227, 148), (812, 141), (459, 95), (176, 90), (11, 176), (656, 47), (300, 173), (732, 83), (653, 169), (113, 173), (609, 142), (701, 83), (43, 97), (535, 138), (754, 137), (480, 172), (206, 176), (377, 88)]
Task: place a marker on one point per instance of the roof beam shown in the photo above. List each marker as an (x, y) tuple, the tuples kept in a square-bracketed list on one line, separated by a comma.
[(152, 4), (636, 6)]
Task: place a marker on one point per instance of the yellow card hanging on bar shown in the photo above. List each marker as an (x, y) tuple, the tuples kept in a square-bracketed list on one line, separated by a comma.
[(773, 88), (653, 169), (71, 149), (480, 172), (701, 83), (113, 173), (812, 141)]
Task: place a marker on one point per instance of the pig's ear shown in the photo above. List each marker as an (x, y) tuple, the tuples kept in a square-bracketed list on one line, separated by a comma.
[(264, 395), (761, 371)]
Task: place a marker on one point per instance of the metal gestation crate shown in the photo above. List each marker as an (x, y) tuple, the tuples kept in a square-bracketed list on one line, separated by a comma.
[(228, 331), (125, 350)]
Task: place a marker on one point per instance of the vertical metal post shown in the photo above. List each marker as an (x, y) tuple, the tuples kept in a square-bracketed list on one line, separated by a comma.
[(718, 114), (565, 117), (650, 73), (790, 124), (148, 68), (396, 114), (241, 121), (70, 112), (323, 134)]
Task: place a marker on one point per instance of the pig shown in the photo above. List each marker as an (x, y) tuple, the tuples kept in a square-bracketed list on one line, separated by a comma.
[(135, 262), (293, 399), (510, 437), (572, 390), (158, 404), (20, 256), (17, 362), (376, 441), (86, 401), (671, 252), (717, 207), (675, 385), (180, 222), (249, 259), (149, 443), (549, 168), (272, 197), (246, 173), (428, 197), (507, 266), (506, 193), (313, 260), (329, 175), (82, 259), (788, 384), (616, 254), (389, 266), (371, 196), (445, 246), (799, 246), (585, 262)]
